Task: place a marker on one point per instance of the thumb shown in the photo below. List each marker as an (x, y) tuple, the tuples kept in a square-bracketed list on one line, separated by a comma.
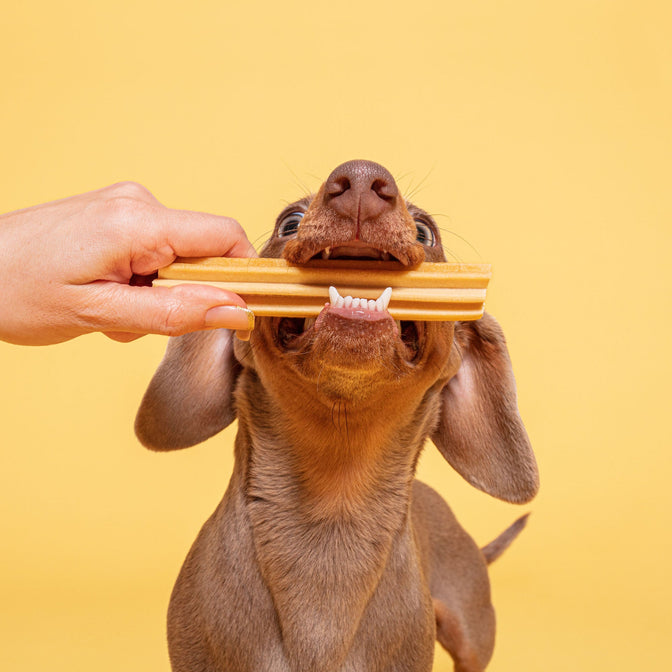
[(126, 312)]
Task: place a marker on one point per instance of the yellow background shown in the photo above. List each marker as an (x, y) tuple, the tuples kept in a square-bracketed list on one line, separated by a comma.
[(539, 133)]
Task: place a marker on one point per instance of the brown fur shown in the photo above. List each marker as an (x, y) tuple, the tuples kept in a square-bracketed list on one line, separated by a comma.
[(325, 553)]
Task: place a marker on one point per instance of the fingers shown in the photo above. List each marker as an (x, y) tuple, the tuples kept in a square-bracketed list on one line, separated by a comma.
[(121, 311), (150, 229), (72, 261), (122, 336), (154, 235), (126, 337), (197, 234)]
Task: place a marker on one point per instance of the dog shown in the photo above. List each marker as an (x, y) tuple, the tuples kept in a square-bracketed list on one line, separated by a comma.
[(325, 554)]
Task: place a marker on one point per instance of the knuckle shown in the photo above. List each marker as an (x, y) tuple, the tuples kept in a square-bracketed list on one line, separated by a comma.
[(126, 202), (123, 206), (232, 223), (123, 210), (132, 190)]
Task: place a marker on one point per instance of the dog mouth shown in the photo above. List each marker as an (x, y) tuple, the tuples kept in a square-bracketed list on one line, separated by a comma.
[(353, 314), (354, 251), (292, 331)]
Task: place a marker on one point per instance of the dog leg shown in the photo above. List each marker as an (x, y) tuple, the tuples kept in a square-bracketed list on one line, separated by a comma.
[(457, 575)]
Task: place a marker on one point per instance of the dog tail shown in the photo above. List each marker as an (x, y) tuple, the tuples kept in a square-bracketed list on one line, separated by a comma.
[(496, 547)]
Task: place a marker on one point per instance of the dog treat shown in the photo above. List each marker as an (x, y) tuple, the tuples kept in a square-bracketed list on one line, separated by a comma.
[(273, 287)]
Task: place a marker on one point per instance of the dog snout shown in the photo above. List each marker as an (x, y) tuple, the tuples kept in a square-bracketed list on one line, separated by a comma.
[(360, 191), (359, 206)]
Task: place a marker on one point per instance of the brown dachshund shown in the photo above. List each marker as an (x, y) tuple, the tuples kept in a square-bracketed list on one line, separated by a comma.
[(325, 554)]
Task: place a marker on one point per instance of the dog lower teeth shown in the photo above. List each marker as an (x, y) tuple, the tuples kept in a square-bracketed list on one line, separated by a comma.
[(374, 305)]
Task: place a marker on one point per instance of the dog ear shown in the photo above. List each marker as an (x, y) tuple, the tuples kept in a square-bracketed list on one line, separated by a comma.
[(190, 397), (480, 431)]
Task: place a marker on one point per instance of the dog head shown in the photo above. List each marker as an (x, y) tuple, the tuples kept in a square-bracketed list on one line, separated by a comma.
[(354, 352), (459, 374)]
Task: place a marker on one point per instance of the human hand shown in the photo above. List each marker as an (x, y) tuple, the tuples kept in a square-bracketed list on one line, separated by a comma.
[(66, 268)]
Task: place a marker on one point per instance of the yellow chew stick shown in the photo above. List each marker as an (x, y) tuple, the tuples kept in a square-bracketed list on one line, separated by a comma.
[(272, 287)]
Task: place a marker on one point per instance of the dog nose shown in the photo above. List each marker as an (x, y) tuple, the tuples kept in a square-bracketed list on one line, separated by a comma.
[(361, 190)]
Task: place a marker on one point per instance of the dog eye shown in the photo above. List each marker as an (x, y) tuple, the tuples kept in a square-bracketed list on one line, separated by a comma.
[(289, 224), (425, 233)]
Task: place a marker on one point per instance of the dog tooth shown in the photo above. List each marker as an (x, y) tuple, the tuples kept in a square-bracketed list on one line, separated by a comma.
[(379, 304), (384, 298), (326, 253), (334, 296)]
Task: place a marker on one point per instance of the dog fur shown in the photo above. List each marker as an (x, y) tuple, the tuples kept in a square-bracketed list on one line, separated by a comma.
[(325, 553)]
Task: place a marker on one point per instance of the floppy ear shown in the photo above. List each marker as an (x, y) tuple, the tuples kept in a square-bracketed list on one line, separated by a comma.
[(190, 397), (480, 431)]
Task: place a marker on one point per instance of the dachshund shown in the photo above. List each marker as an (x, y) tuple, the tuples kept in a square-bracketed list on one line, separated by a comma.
[(325, 553)]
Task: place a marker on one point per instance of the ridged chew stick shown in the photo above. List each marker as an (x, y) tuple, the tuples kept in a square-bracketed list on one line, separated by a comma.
[(273, 287)]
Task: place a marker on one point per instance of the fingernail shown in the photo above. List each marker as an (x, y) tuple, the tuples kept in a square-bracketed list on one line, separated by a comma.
[(230, 317)]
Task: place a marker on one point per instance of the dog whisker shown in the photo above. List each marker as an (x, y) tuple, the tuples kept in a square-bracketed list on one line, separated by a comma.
[(301, 185), (258, 242), (411, 192)]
